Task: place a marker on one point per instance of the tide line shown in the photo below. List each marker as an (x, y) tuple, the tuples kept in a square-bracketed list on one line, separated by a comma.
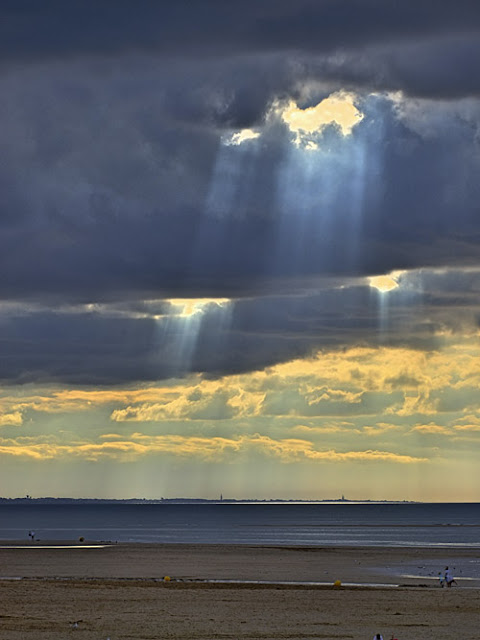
[(55, 546)]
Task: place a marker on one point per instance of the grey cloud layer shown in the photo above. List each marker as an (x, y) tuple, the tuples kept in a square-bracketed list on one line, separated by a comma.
[(421, 47), (104, 201), (184, 27), (116, 344), (116, 185)]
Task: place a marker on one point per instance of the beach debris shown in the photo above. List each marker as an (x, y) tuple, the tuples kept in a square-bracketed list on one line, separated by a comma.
[(75, 624), (337, 584), (166, 579)]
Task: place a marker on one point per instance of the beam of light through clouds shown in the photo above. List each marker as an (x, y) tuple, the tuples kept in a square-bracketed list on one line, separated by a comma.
[(240, 246), (179, 331), (317, 172), (383, 285)]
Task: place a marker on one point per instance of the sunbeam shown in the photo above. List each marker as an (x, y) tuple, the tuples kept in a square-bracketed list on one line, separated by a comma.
[(322, 180), (233, 175), (398, 295), (178, 331)]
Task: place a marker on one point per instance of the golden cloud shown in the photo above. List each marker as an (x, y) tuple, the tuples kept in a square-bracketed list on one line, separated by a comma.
[(316, 395), (11, 419), (415, 381), (383, 283), (201, 406), (213, 449), (328, 427), (379, 428), (468, 426), (433, 429)]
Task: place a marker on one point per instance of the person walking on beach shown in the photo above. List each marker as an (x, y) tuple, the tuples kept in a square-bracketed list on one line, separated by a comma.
[(378, 636), (449, 579)]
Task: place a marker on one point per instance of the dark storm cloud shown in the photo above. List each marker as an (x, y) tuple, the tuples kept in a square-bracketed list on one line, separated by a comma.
[(30, 30), (118, 186), (422, 47), (99, 205), (118, 343)]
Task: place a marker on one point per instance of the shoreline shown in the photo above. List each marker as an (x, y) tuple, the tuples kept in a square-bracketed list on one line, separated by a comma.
[(313, 564), (232, 592), (75, 542)]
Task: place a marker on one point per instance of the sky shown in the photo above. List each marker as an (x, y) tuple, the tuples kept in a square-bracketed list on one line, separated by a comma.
[(240, 249)]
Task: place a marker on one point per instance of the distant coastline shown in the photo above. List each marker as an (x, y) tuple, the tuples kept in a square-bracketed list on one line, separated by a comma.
[(66, 501)]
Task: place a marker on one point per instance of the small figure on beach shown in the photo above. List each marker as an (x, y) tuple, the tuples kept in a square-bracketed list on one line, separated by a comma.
[(31, 534), (75, 624), (378, 636), (440, 579), (449, 579)]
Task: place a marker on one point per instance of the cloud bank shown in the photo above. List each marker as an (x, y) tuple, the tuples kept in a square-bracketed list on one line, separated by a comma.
[(278, 158)]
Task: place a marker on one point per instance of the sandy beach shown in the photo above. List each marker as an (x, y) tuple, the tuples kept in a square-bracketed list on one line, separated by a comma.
[(118, 591)]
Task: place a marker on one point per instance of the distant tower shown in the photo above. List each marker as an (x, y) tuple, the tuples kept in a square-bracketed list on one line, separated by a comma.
[(221, 497)]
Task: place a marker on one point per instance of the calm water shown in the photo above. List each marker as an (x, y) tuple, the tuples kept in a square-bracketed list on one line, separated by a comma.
[(265, 524)]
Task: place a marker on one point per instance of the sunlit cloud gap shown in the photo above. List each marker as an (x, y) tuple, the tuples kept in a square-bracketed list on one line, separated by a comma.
[(178, 333), (384, 283), (398, 287), (306, 124), (338, 109), (187, 307), (241, 136)]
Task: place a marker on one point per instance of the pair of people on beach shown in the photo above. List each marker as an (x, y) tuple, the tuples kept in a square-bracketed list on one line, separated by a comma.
[(447, 578)]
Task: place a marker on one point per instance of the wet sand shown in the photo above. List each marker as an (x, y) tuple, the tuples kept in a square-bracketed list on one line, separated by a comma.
[(118, 591)]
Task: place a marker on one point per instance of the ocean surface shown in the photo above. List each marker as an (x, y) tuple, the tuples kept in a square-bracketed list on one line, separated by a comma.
[(324, 524)]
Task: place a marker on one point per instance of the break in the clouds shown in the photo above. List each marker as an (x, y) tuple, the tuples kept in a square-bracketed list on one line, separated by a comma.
[(211, 190)]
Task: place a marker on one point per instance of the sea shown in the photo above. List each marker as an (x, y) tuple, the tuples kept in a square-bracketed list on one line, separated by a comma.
[(264, 523)]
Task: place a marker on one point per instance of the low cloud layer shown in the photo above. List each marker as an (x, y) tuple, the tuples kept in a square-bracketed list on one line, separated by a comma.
[(118, 343)]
